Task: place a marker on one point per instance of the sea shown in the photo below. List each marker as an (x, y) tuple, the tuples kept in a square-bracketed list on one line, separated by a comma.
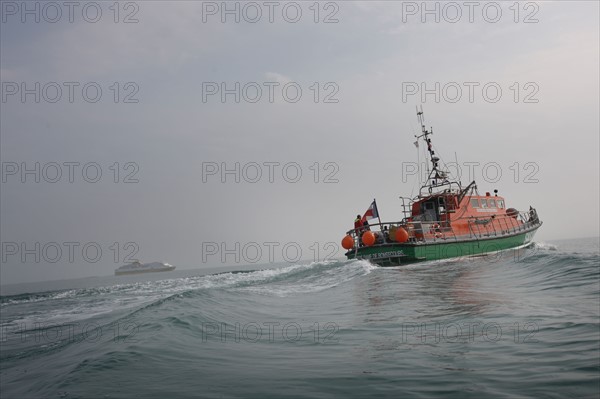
[(516, 324)]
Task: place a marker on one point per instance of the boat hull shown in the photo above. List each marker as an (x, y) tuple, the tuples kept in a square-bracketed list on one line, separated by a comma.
[(395, 254)]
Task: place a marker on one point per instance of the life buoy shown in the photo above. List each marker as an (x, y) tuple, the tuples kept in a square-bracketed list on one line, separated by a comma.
[(435, 230)]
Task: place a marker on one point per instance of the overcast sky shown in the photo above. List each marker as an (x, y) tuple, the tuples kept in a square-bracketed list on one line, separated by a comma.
[(162, 129)]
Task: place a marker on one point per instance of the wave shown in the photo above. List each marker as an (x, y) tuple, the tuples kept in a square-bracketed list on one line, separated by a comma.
[(212, 297), (540, 267), (77, 305), (288, 280), (219, 280)]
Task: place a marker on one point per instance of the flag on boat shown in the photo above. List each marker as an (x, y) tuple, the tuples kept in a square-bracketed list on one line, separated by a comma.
[(416, 143), (371, 212)]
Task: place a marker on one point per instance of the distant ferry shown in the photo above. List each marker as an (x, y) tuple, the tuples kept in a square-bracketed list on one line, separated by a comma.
[(446, 220), (137, 268)]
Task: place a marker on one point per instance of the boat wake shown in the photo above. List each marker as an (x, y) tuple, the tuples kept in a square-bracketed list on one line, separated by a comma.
[(80, 304)]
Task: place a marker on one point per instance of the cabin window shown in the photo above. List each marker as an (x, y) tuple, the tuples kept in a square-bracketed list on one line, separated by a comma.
[(474, 203), (500, 203), (430, 211), (483, 203), (492, 203)]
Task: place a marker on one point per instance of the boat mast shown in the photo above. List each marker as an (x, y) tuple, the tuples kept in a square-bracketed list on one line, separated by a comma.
[(436, 177), (435, 173), (424, 133)]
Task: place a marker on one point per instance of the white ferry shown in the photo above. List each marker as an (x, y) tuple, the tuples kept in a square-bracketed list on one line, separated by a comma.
[(137, 267)]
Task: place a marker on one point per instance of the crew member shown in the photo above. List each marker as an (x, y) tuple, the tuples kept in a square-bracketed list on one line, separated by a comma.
[(366, 226), (357, 224)]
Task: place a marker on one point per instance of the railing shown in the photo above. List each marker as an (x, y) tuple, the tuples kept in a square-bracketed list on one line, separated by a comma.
[(430, 187), (431, 231)]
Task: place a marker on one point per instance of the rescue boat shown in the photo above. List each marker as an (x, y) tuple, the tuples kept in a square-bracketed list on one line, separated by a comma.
[(445, 220)]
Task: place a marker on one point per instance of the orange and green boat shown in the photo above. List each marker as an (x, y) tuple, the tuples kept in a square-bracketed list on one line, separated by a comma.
[(445, 220)]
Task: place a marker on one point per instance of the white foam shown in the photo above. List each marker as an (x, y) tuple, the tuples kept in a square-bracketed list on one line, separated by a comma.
[(82, 304), (323, 280), (545, 246)]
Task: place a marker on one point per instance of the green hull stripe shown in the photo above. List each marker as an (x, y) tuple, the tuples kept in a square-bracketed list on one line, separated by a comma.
[(407, 253)]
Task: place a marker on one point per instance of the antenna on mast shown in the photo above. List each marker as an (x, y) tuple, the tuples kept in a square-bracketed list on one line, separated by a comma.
[(435, 175), (424, 133)]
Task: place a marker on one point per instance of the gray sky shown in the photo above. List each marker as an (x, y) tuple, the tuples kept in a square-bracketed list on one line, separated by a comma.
[(354, 124)]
